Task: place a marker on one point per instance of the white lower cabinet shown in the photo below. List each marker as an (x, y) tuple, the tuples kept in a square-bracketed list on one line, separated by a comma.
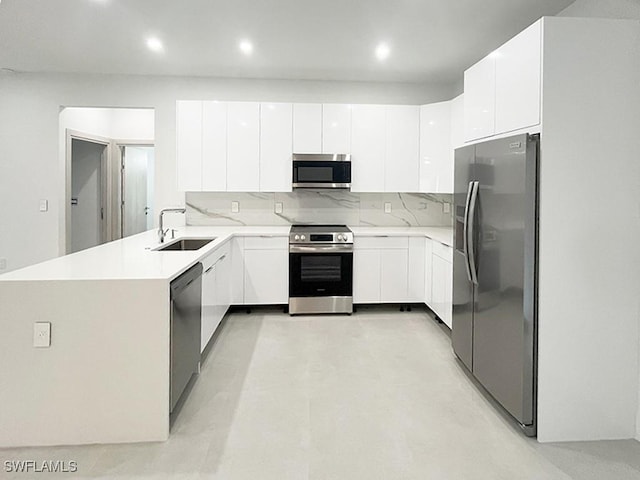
[(442, 282), (366, 276), (216, 296), (266, 270), (380, 269), (393, 275), (428, 271)]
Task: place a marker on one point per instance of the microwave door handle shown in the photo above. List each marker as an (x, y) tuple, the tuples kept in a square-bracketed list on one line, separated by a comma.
[(471, 233), (465, 232)]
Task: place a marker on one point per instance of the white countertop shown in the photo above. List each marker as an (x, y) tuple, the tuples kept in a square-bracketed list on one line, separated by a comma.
[(133, 258)]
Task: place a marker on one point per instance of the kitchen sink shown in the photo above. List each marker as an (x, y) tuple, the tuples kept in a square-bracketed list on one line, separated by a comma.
[(186, 244)]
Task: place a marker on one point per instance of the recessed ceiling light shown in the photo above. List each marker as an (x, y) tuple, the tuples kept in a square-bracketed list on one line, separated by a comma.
[(382, 51), (154, 44), (246, 47)]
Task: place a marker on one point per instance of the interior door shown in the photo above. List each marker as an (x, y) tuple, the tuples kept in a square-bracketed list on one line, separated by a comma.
[(136, 201), (88, 194), (462, 312), (503, 346)]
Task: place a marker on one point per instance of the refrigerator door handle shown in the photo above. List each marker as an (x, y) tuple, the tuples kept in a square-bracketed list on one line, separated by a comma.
[(465, 233), (471, 248)]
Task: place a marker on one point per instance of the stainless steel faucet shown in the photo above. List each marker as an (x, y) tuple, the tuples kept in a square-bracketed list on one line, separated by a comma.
[(161, 231)]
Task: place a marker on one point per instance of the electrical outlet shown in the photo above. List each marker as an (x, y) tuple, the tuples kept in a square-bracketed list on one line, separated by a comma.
[(235, 207), (42, 334), (387, 207), (278, 208), (3, 263), (446, 207), (44, 205)]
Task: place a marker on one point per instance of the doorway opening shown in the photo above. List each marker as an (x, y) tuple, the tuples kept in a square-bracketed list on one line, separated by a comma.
[(109, 175)]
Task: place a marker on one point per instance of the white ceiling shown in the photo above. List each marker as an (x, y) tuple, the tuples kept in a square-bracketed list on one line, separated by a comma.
[(430, 40)]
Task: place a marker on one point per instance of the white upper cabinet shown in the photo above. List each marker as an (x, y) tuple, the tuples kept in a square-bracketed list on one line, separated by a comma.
[(436, 162), (402, 148), (457, 123), (276, 146), (502, 92), (479, 99), (368, 124), (243, 147), (189, 145), (214, 146), (518, 75), (307, 128), (336, 128)]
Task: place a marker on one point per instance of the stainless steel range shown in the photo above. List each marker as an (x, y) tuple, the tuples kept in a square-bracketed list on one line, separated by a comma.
[(320, 269)]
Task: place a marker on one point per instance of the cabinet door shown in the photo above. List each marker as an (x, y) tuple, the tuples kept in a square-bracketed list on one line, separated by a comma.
[(237, 271), (366, 276), (189, 145), (447, 308), (336, 128), (457, 123), (402, 148), (518, 73), (214, 146), (307, 128), (436, 160), (439, 286), (266, 277), (416, 270), (223, 284), (428, 273), (479, 99), (394, 275), (209, 306), (368, 123), (276, 147), (243, 147)]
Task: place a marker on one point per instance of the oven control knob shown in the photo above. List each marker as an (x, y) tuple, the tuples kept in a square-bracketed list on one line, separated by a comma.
[(302, 237), (297, 237), (340, 237)]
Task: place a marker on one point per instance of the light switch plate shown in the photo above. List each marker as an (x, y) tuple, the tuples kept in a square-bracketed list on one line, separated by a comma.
[(44, 205), (42, 334), (446, 207), (278, 208), (387, 207), (235, 207)]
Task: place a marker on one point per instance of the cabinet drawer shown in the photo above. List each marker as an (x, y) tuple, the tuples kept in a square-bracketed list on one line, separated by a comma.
[(380, 242), (443, 251), (266, 242), (215, 256)]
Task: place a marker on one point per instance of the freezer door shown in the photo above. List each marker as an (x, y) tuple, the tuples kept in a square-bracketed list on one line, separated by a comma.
[(505, 255), (462, 326)]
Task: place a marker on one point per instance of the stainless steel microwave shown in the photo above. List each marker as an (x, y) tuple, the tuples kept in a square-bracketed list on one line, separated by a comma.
[(316, 170)]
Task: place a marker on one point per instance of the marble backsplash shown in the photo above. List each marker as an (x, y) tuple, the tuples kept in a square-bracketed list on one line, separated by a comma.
[(319, 207)]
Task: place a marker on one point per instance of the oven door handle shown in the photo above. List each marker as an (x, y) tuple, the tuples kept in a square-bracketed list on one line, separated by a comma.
[(321, 248)]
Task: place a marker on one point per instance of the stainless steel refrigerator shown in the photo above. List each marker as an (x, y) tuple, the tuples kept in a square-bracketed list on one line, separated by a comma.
[(494, 270)]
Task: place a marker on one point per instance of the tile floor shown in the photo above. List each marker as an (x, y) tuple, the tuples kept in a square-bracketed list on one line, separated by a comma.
[(377, 395)]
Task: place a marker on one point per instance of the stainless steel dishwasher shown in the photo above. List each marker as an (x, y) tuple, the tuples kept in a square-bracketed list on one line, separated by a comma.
[(186, 316)]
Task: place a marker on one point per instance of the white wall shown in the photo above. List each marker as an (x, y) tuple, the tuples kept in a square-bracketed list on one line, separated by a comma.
[(603, 9), (629, 9), (30, 165)]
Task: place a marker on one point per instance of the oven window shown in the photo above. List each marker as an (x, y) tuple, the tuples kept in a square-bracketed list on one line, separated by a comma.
[(320, 268), (320, 274), (315, 174)]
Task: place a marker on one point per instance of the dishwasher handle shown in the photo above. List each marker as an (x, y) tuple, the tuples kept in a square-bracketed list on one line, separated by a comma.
[(184, 280)]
